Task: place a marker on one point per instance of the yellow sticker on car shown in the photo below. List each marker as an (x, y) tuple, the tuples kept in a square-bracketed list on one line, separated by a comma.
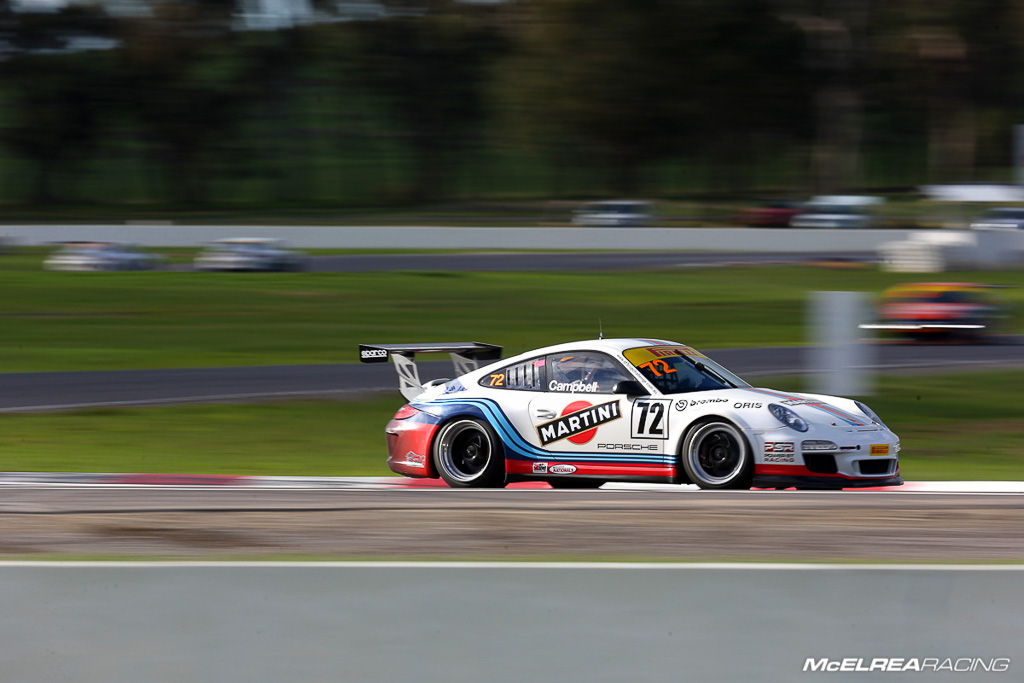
[(879, 449)]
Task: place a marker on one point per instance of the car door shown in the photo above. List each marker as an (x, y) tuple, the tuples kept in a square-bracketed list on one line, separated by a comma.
[(580, 411)]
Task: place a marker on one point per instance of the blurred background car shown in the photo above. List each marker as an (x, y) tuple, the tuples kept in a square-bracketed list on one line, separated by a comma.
[(249, 253), (940, 311), (100, 256), (1002, 218), (837, 211), (618, 213), (776, 214)]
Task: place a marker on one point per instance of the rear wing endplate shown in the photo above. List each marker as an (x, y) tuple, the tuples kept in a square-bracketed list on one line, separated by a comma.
[(466, 357)]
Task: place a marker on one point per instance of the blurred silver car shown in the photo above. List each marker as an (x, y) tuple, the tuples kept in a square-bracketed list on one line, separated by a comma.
[(837, 211), (617, 213), (1004, 218), (249, 253), (100, 256)]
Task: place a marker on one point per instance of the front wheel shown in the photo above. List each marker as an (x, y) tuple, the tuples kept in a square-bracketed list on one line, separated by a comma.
[(467, 454), (716, 456)]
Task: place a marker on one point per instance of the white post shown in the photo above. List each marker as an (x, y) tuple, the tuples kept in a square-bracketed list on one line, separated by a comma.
[(1018, 153), (838, 359)]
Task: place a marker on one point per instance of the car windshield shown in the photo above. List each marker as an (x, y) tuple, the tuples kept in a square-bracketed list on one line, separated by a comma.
[(680, 369)]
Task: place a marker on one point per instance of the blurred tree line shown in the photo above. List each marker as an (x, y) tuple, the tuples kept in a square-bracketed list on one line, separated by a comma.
[(535, 98)]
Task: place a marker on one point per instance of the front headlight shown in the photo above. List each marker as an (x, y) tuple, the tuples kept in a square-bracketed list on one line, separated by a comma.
[(787, 417), (870, 413)]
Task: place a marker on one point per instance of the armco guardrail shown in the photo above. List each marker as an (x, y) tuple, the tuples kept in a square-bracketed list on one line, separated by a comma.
[(413, 237)]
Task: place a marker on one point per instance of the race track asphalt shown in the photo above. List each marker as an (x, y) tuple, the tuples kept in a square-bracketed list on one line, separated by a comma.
[(679, 524), (34, 391)]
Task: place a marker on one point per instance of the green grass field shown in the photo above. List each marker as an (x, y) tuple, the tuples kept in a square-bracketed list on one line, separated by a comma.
[(88, 321), (955, 426)]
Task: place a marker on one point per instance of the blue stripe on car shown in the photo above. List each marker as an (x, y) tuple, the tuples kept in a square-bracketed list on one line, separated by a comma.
[(519, 449)]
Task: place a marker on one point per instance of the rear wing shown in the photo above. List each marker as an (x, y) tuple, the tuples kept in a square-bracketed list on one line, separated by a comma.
[(466, 357)]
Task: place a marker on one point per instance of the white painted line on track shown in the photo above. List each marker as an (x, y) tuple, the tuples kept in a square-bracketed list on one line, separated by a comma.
[(424, 564), (681, 489)]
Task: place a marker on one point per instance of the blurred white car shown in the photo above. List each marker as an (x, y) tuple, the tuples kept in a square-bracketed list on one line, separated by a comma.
[(249, 253), (837, 211), (618, 213), (100, 256), (1005, 218)]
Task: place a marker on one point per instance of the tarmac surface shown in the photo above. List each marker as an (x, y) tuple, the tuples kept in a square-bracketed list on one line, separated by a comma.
[(39, 391), (393, 623), (684, 524)]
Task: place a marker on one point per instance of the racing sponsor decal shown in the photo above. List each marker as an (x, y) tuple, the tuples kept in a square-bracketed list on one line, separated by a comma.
[(453, 387), (701, 401), (579, 422), (540, 468), (627, 447), (373, 355), (562, 469), (779, 451), (681, 404), (415, 458), (576, 387), (649, 353), (879, 449), (650, 418), (741, 406)]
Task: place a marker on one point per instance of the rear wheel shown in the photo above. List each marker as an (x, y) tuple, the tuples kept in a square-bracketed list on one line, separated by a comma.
[(716, 456), (467, 454)]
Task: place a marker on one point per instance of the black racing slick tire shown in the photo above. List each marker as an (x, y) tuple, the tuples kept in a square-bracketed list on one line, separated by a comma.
[(716, 455), (468, 454)]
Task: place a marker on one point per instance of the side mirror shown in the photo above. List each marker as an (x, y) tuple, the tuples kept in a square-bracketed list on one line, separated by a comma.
[(630, 387)]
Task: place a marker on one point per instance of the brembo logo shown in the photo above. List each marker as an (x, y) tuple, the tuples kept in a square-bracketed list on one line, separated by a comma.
[(579, 422)]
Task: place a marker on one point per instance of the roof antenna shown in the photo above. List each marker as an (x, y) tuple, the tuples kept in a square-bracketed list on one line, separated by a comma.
[(600, 329)]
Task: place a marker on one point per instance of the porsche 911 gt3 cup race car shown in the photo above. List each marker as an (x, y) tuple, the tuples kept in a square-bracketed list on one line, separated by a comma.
[(581, 414)]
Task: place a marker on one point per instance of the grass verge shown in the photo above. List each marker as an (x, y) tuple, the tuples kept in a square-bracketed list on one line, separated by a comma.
[(955, 426), (91, 321)]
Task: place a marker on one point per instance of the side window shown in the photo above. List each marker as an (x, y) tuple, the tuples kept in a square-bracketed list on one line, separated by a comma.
[(584, 372), (525, 376)]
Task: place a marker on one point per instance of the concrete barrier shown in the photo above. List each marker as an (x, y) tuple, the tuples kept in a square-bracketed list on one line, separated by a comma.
[(413, 237)]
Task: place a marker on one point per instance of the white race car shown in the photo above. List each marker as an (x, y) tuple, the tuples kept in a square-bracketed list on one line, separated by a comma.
[(100, 256), (640, 410)]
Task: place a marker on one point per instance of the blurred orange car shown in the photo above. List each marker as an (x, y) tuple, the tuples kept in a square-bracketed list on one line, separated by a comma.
[(940, 311)]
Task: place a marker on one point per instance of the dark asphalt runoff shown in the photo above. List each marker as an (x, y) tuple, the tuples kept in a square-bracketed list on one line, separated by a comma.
[(241, 623), (33, 391), (560, 261)]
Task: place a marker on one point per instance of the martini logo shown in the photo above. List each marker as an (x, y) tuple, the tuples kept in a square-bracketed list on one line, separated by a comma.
[(579, 422)]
